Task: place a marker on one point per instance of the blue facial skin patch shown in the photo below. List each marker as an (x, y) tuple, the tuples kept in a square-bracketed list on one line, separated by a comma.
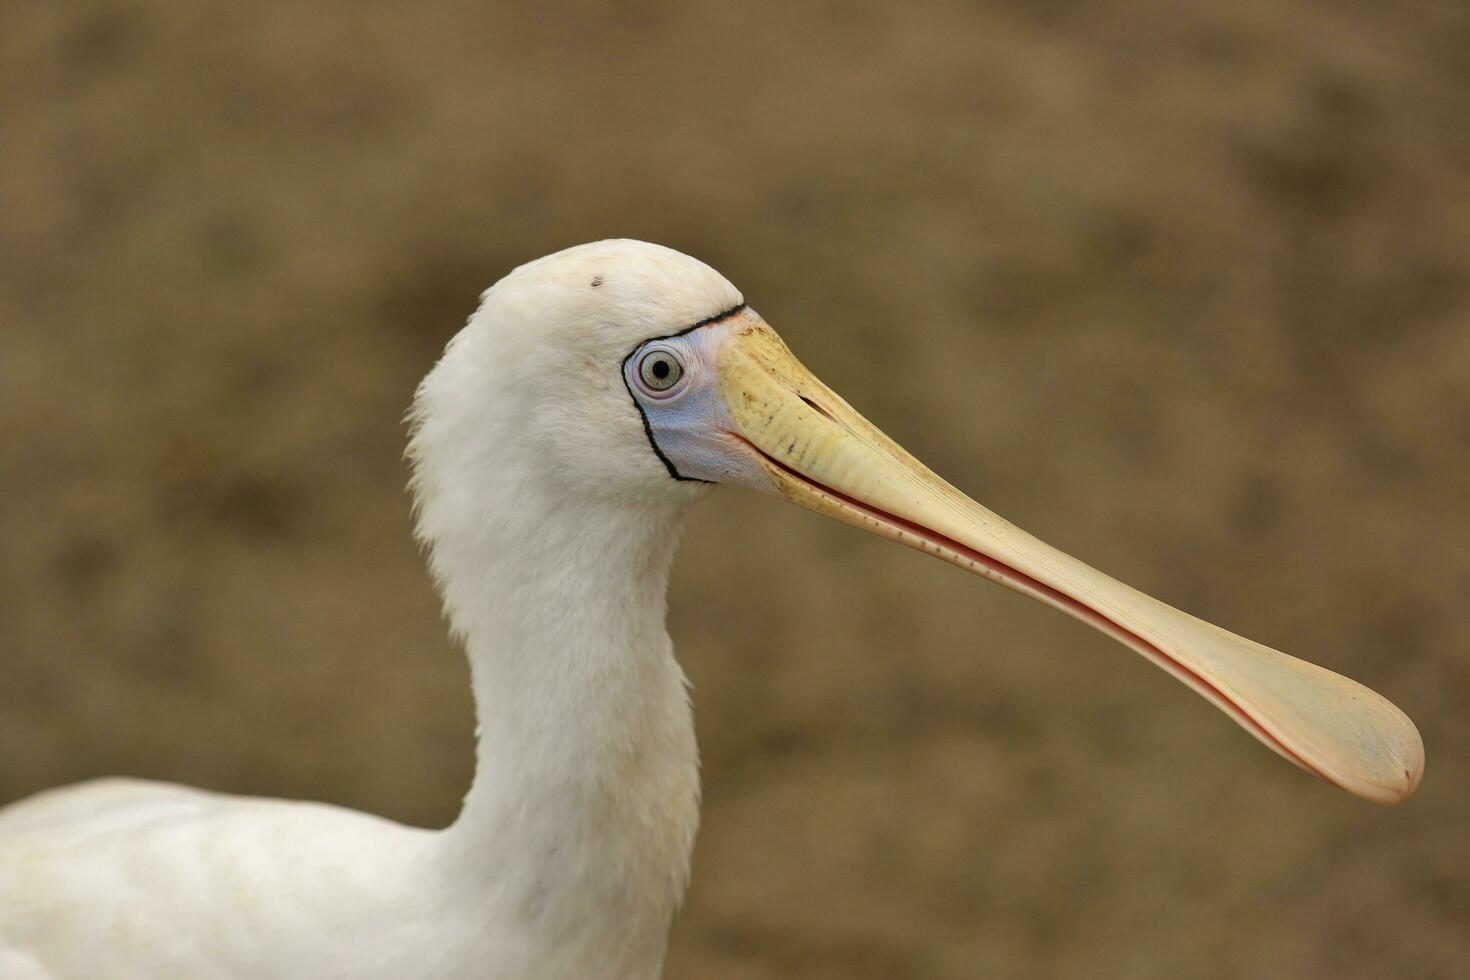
[(690, 427)]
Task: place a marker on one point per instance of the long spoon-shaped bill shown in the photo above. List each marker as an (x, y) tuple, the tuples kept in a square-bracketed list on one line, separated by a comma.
[(820, 453)]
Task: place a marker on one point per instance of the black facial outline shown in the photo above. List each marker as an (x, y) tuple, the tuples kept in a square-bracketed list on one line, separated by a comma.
[(643, 414)]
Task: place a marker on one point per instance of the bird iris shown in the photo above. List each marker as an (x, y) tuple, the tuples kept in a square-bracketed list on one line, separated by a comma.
[(659, 371)]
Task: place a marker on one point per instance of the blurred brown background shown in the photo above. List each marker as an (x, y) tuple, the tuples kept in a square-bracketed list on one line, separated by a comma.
[(1185, 289)]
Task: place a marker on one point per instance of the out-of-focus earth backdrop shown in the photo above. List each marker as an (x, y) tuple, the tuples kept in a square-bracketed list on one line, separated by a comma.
[(1184, 289)]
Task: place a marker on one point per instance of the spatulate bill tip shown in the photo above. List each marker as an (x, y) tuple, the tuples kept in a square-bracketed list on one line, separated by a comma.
[(1390, 783), (1389, 795)]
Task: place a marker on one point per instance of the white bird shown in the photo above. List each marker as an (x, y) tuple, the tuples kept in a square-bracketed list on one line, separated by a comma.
[(594, 395)]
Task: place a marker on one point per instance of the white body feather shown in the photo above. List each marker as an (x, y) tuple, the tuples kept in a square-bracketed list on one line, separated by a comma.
[(551, 529)]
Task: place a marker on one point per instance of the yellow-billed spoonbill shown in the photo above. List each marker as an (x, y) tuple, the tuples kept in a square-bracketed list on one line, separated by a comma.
[(595, 394)]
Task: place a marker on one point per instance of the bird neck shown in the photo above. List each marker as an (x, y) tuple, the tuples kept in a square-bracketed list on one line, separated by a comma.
[(585, 796)]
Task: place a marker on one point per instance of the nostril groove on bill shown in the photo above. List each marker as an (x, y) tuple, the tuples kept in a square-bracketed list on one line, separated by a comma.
[(817, 408)]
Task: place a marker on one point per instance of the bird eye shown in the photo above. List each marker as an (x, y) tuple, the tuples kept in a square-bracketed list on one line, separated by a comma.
[(659, 371)]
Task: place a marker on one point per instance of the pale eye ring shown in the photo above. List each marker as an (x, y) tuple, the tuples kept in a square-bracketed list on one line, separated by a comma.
[(659, 371)]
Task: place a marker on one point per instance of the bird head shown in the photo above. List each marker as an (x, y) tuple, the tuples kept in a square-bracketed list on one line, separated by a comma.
[(630, 372)]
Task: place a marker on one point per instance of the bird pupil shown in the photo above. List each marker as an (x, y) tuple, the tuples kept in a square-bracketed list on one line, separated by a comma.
[(660, 369)]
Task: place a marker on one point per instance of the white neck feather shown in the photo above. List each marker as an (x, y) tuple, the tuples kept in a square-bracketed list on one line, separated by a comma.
[(577, 831)]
